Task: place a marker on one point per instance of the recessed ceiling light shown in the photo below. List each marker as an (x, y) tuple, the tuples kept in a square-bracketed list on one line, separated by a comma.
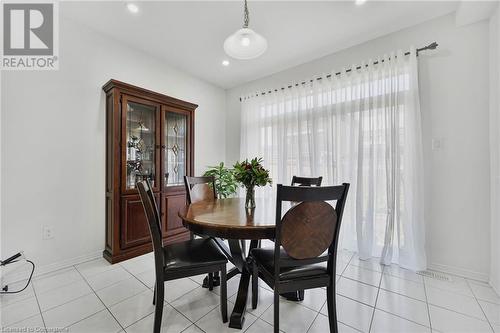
[(225, 62), (132, 7), (360, 2)]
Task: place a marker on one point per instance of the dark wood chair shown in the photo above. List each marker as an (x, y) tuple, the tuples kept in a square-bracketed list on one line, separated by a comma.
[(298, 260), (306, 181), (302, 181), (180, 260), (202, 189)]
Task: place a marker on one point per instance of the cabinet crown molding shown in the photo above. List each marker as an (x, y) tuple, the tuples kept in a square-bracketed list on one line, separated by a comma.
[(154, 96)]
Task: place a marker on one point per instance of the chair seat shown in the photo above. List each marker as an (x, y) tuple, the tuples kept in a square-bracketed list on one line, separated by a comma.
[(193, 253), (265, 258)]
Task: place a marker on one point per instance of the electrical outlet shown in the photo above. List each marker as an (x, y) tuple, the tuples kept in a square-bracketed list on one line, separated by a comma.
[(47, 232), (437, 143)]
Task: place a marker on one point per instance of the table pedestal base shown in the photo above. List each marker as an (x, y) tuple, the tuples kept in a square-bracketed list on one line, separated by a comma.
[(239, 257), (242, 263), (238, 315)]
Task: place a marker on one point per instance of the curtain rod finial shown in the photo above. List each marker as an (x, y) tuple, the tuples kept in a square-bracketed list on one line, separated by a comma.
[(433, 46)]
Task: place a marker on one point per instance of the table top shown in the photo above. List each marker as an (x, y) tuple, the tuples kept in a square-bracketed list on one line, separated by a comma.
[(228, 218)]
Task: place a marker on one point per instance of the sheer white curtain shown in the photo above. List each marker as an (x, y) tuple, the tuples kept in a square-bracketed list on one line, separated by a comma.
[(362, 127)]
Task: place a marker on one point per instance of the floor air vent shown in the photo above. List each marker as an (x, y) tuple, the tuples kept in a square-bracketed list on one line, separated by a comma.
[(435, 275)]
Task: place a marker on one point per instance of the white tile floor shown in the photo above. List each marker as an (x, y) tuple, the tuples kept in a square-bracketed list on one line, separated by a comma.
[(98, 297)]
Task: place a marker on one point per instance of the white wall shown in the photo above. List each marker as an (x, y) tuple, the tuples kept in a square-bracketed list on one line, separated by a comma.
[(53, 142), (495, 148), (1, 168), (454, 101)]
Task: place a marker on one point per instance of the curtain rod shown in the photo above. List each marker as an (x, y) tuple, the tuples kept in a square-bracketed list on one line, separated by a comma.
[(431, 46)]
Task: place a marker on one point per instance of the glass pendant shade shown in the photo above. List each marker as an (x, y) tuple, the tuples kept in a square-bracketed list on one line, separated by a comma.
[(245, 44)]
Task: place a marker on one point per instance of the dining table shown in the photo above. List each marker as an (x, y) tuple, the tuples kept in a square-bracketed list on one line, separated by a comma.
[(229, 219)]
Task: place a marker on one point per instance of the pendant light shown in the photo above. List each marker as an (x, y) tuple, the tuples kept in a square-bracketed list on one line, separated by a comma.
[(245, 43)]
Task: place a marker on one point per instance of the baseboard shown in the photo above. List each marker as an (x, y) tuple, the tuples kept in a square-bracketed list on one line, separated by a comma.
[(460, 272), (41, 270), (67, 263)]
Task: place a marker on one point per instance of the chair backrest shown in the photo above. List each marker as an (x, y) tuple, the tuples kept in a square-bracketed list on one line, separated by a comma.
[(306, 181), (200, 189), (153, 217), (309, 228)]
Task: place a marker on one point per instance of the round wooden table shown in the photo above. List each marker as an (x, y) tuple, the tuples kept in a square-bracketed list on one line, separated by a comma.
[(229, 219)]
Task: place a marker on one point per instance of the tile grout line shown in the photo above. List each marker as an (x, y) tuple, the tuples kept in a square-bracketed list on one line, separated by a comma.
[(406, 319), (184, 330), (216, 308), (336, 293), (66, 302), (169, 303), (460, 313), (65, 285), (251, 324), (348, 263), (376, 299), (194, 322), (138, 320), (93, 291), (305, 306), (198, 327), (22, 300), (106, 271), (317, 314), (152, 290), (358, 301), (292, 302), (364, 283), (259, 317), (149, 314), (427, 304), (479, 304), (39, 307)]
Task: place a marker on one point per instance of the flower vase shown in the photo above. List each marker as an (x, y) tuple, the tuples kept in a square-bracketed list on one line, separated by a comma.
[(250, 198)]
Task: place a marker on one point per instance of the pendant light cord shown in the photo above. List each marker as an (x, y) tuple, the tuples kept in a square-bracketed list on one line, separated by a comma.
[(246, 16)]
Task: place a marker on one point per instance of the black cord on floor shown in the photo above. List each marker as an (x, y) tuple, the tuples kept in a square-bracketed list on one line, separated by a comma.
[(3, 292)]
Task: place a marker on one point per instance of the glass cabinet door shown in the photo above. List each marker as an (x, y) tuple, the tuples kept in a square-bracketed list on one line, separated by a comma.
[(140, 142), (176, 152)]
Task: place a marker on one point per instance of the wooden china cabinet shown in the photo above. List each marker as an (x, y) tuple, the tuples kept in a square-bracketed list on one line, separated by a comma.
[(148, 136)]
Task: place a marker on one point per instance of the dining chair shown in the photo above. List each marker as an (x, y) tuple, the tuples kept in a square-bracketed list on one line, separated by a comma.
[(202, 189), (306, 181), (303, 181), (179, 260), (299, 259)]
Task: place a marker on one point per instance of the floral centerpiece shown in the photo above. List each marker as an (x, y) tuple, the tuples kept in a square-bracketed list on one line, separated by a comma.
[(251, 174)]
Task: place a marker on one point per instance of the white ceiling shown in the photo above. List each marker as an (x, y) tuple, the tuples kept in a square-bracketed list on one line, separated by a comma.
[(189, 35)]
